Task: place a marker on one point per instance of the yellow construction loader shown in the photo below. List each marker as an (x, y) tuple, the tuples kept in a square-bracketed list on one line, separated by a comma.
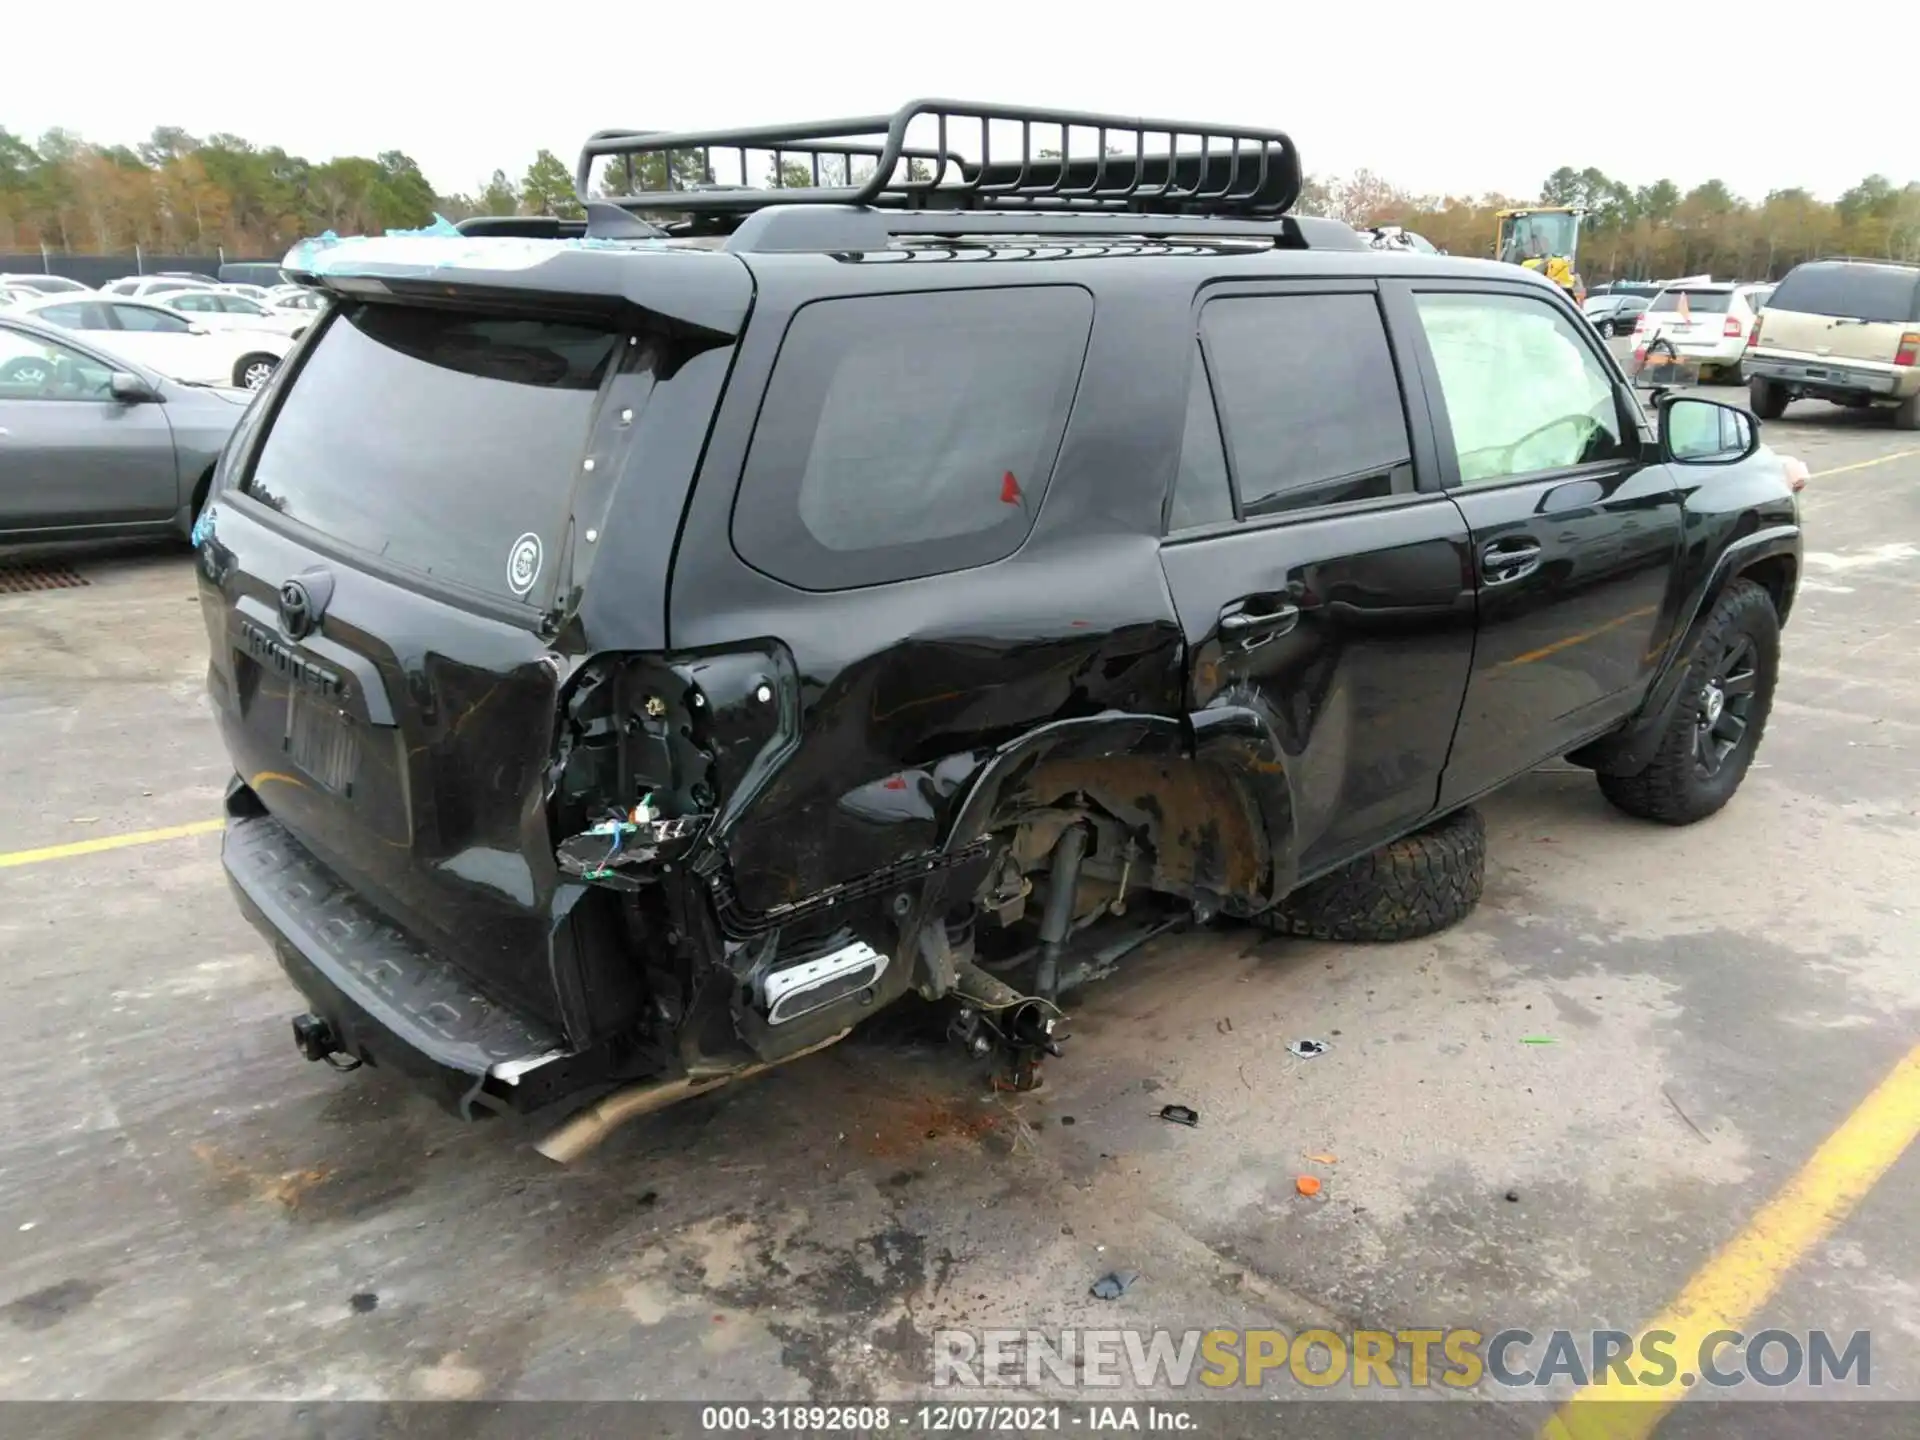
[(1544, 238)]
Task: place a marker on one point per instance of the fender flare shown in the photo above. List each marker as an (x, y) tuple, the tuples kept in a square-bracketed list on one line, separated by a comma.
[(1630, 750)]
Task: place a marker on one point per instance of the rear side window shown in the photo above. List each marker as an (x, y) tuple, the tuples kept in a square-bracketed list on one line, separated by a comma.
[(73, 317), (1308, 399), (907, 435), (138, 317), (1884, 294), (443, 441), (1201, 495)]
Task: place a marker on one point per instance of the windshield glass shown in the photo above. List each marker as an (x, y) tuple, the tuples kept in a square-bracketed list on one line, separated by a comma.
[(466, 434), (1536, 235)]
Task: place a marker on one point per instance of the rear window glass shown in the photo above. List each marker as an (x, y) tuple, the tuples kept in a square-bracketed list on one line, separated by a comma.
[(1309, 400), (1880, 293), (443, 441), (907, 435), (1699, 302)]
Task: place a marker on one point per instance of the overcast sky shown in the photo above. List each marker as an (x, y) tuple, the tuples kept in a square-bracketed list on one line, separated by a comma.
[(1454, 98)]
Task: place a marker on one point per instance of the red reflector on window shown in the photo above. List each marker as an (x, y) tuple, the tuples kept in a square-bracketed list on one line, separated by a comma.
[(1010, 490)]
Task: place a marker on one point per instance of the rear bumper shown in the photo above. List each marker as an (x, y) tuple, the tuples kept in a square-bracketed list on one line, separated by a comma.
[(389, 1000), (1822, 375)]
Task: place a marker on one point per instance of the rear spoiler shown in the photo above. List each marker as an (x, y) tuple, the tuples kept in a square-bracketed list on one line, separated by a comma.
[(698, 290)]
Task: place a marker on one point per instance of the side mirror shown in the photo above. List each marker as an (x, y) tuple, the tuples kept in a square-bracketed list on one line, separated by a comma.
[(129, 389), (1705, 432)]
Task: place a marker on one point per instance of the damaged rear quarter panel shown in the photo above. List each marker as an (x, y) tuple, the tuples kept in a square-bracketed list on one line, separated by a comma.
[(906, 688)]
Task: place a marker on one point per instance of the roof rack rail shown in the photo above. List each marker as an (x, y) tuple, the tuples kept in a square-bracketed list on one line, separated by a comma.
[(1862, 260), (950, 155), (849, 228)]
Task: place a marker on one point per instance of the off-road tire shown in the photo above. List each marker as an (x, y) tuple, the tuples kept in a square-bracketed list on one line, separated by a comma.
[(1906, 415), (1675, 788), (1411, 887), (1768, 398)]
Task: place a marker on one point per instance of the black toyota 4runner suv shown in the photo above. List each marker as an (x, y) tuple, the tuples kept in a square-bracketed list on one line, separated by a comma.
[(903, 561)]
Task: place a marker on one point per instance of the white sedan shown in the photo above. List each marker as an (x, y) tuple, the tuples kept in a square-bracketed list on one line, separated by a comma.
[(222, 309), (296, 300), (166, 340), (152, 287)]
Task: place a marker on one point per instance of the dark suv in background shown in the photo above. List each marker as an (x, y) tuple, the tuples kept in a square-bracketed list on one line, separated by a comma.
[(646, 654)]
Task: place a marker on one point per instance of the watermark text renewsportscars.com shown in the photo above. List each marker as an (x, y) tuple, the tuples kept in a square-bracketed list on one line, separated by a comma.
[(1523, 1361)]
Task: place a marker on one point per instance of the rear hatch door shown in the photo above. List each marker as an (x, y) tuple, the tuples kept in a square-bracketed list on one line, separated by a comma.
[(393, 590), (1691, 319), (1843, 311)]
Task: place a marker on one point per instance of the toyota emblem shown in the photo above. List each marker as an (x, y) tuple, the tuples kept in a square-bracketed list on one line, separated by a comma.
[(296, 610)]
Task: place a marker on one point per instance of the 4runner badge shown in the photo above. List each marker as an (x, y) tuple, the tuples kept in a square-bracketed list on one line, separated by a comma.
[(523, 563)]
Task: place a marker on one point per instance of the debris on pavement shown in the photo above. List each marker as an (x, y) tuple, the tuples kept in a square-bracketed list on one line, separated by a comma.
[(1538, 1040), (1513, 1196), (1307, 1049), (1180, 1114), (364, 1303), (1114, 1284), (1324, 1159), (1307, 1184), (1224, 1025)]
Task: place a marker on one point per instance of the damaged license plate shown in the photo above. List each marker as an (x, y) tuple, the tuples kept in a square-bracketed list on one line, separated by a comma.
[(322, 741)]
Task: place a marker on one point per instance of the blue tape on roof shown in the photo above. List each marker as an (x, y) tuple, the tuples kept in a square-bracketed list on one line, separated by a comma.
[(435, 248)]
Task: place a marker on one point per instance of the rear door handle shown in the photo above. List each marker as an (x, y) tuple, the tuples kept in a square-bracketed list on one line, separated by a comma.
[(1507, 560), (1248, 627)]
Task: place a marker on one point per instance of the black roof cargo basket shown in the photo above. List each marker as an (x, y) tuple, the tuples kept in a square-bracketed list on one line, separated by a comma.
[(950, 155)]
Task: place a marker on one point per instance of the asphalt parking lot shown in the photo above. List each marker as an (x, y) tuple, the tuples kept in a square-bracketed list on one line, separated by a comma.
[(1557, 1114)]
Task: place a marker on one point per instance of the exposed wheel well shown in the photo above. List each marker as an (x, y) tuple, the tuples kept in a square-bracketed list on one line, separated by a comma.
[(1775, 574)]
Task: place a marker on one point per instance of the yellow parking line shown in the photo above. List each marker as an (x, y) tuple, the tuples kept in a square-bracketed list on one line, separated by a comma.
[(1864, 464), (1728, 1291), (108, 842)]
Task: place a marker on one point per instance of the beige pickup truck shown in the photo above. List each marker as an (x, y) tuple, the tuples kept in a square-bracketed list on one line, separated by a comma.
[(1841, 330)]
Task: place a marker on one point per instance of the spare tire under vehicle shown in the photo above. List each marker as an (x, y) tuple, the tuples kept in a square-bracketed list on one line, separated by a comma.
[(1411, 887)]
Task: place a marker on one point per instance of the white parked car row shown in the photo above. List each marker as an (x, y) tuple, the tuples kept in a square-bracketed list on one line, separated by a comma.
[(165, 339), (189, 327)]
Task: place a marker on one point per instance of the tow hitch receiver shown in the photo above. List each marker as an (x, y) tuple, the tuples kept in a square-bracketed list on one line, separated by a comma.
[(316, 1041), (314, 1037)]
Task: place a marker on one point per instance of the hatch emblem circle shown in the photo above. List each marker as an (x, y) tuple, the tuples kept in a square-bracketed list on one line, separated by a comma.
[(523, 563)]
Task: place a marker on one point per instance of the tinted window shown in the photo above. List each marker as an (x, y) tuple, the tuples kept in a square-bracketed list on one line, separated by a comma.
[(138, 317), (1522, 393), (1699, 302), (239, 305), (196, 302), (468, 432), (1881, 293), (906, 435), (1308, 399), (1200, 492)]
